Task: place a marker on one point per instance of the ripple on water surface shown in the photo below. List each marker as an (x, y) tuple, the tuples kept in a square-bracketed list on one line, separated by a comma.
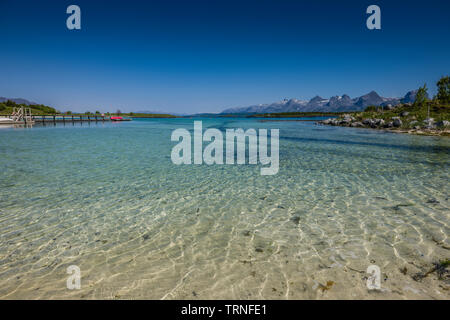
[(107, 198)]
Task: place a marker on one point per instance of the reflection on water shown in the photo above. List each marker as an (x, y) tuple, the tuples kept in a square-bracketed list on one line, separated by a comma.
[(15, 126), (106, 197)]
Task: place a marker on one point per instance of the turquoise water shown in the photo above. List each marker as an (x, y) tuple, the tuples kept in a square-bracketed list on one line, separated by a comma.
[(107, 198)]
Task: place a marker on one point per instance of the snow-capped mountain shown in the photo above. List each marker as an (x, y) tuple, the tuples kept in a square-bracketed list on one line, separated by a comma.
[(319, 104)]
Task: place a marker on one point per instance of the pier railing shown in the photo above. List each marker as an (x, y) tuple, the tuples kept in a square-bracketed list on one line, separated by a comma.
[(28, 117), (25, 116), (20, 115), (68, 118)]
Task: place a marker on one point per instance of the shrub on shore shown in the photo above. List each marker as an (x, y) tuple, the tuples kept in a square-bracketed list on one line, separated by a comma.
[(443, 90), (8, 106)]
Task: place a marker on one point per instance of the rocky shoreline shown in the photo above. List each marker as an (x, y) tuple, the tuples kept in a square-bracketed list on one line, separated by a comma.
[(403, 123)]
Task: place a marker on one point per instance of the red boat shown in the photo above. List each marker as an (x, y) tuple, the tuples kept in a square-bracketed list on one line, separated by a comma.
[(116, 119)]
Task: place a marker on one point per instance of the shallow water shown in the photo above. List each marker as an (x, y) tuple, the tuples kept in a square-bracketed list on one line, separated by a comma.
[(107, 198)]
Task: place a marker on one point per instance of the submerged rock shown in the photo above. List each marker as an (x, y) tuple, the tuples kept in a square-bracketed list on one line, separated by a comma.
[(295, 219), (246, 233)]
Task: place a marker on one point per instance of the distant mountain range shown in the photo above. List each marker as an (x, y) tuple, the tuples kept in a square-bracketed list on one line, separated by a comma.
[(319, 104), (316, 104), (17, 100)]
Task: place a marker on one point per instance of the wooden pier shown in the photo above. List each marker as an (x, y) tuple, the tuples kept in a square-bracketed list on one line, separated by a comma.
[(59, 118), (46, 118)]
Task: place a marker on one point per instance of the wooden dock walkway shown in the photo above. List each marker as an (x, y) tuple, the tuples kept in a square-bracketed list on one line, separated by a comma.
[(52, 118)]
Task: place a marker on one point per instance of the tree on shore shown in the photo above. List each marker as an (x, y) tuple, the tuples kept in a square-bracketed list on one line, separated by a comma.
[(421, 96), (10, 103), (443, 94)]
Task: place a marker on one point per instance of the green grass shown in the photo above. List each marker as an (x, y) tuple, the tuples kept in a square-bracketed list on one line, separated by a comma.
[(34, 111)]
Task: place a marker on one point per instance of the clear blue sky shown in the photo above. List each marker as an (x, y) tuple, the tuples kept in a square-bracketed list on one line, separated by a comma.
[(204, 56)]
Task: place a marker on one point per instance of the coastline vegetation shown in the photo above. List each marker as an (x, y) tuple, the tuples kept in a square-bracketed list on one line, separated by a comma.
[(411, 115), (424, 116), (6, 108)]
